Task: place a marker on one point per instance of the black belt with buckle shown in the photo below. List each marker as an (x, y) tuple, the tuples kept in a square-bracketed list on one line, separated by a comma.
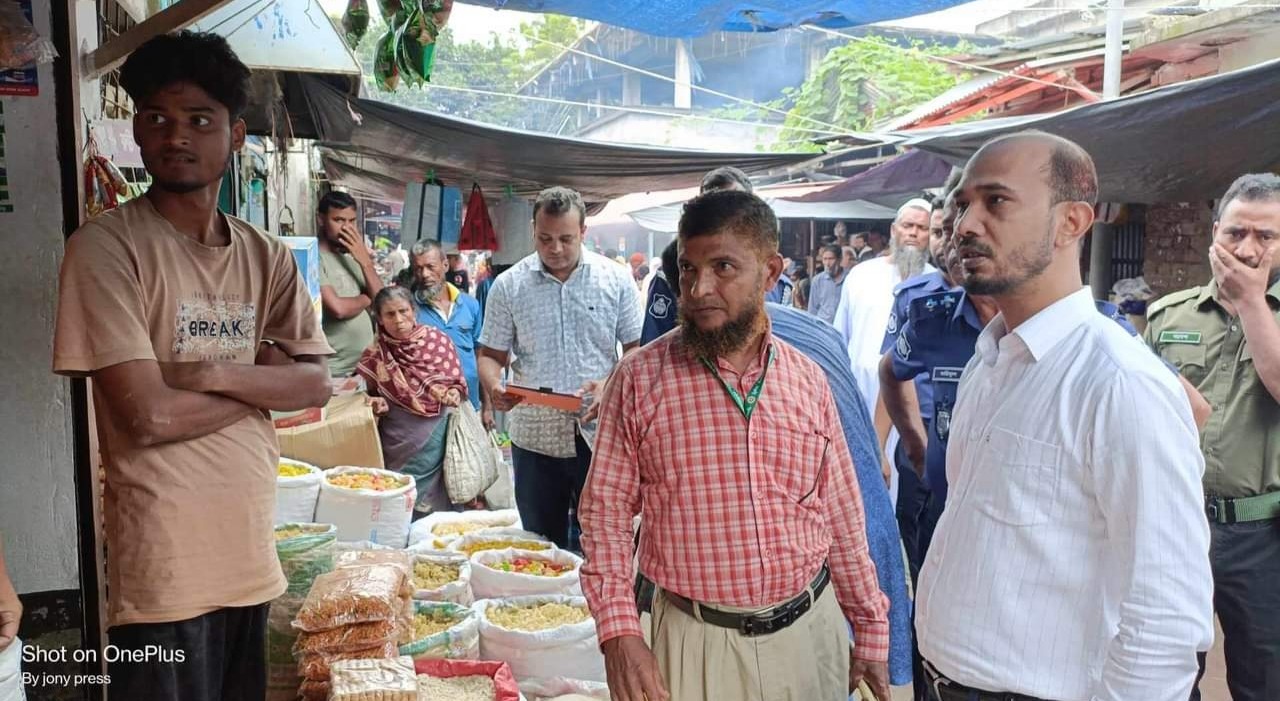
[(753, 624), (944, 689)]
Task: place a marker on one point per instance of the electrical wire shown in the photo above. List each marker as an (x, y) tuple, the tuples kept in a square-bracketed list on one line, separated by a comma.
[(698, 88), (634, 110), (932, 57)]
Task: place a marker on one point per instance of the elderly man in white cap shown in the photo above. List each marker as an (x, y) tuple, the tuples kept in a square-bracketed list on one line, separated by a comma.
[(867, 298)]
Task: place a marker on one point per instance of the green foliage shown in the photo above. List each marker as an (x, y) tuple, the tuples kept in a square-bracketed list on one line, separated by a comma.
[(862, 83), (501, 65)]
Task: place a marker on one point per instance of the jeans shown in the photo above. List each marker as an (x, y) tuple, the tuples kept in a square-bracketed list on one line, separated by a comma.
[(220, 656), (547, 492), (1246, 566)]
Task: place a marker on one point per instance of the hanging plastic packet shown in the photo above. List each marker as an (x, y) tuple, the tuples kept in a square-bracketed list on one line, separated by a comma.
[(355, 22)]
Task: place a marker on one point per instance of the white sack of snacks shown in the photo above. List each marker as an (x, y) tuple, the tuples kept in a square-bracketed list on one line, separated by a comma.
[(444, 527), (497, 574), (541, 636), (367, 504), (443, 631), (442, 576), (561, 689), (500, 539), (297, 490)]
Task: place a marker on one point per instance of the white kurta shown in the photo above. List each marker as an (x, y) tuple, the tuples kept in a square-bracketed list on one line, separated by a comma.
[(862, 318)]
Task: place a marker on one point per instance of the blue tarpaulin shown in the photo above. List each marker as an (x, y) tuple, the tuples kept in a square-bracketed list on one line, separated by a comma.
[(690, 18)]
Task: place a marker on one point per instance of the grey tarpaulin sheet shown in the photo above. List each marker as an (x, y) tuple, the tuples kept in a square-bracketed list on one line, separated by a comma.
[(666, 218), (893, 182), (1183, 143), (376, 147)]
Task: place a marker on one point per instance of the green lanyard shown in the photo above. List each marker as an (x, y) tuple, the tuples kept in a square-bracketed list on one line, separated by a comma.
[(748, 405)]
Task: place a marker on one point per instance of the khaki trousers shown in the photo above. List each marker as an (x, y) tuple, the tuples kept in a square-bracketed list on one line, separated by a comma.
[(807, 661)]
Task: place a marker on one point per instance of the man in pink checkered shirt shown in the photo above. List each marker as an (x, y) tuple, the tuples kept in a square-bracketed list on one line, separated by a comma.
[(727, 442)]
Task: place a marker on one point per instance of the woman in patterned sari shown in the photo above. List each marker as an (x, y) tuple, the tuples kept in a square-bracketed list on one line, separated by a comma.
[(416, 378)]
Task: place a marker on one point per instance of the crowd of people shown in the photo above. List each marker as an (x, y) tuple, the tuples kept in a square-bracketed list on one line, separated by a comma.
[(1075, 504)]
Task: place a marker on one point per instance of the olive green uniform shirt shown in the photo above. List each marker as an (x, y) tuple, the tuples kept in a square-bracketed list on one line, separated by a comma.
[(1241, 441), (348, 337)]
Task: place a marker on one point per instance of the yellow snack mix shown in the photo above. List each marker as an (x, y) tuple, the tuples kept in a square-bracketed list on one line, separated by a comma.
[(431, 575), (537, 617)]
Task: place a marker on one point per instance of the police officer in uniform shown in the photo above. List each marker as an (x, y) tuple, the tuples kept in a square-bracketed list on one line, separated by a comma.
[(1225, 338)]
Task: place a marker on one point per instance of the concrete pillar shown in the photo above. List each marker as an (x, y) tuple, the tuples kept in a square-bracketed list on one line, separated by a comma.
[(684, 76), (630, 89)]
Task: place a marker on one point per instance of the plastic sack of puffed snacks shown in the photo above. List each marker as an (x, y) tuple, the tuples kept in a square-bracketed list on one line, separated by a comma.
[(541, 636), (441, 528), (368, 504), (562, 689), (297, 490), (466, 680), (442, 576), (443, 631), (497, 574), (306, 551), (500, 539)]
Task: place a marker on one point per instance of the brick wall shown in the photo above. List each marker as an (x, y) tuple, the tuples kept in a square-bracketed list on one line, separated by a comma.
[(1177, 246)]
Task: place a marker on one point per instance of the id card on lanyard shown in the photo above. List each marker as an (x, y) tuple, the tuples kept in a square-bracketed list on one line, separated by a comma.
[(748, 404)]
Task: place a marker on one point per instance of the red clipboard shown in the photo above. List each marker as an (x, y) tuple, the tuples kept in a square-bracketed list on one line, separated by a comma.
[(544, 396)]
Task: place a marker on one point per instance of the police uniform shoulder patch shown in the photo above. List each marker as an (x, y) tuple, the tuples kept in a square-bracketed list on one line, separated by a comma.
[(903, 347), (1172, 299), (893, 323), (661, 307), (933, 304)]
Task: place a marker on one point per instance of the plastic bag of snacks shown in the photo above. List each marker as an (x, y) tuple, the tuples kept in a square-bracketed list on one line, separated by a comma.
[(373, 680), (364, 558), (510, 572), (315, 666), (314, 691), (442, 576), (297, 490), (352, 595), (500, 539), (465, 680), (561, 689), (541, 636), (368, 504), (443, 631), (350, 638), (444, 527), (306, 551), (21, 46)]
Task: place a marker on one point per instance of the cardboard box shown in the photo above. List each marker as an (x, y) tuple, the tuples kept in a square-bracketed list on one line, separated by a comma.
[(348, 435), (293, 419)]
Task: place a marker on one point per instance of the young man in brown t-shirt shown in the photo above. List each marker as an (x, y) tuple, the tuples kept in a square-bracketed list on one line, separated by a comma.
[(191, 324)]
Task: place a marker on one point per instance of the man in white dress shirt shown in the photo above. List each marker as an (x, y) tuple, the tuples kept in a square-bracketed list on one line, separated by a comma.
[(1071, 563)]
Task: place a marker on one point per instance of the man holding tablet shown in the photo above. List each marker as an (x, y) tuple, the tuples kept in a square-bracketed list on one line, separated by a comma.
[(557, 318)]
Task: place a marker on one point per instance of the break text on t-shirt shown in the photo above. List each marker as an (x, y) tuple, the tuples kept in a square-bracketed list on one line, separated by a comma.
[(215, 327)]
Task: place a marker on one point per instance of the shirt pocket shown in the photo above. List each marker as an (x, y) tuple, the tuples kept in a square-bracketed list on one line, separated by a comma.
[(1020, 479), (794, 459), (1191, 360)]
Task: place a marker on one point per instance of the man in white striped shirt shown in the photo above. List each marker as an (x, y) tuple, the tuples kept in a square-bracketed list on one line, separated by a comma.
[(1071, 563)]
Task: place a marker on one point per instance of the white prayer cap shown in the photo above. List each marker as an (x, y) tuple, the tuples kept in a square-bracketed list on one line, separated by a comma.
[(917, 203)]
